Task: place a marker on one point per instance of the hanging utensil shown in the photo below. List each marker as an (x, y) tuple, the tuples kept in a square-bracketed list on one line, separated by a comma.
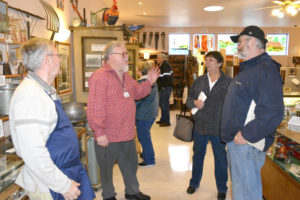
[(52, 18)]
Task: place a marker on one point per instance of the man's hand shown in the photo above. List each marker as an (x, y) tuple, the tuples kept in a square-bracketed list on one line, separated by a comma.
[(199, 104), (153, 74), (239, 139), (73, 192), (102, 141)]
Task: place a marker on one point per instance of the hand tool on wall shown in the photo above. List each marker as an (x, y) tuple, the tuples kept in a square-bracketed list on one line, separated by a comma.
[(144, 37), (52, 18), (156, 40), (163, 37), (150, 38)]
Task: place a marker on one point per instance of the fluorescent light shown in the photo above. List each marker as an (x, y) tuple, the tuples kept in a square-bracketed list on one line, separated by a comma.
[(213, 8)]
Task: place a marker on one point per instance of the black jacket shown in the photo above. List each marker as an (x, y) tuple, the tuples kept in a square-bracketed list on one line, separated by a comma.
[(166, 76), (258, 80), (208, 119)]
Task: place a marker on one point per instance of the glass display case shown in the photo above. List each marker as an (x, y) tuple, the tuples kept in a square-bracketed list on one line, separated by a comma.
[(281, 172), (11, 164)]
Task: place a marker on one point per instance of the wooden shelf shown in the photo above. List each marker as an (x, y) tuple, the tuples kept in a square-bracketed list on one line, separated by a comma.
[(13, 76), (4, 118), (2, 41)]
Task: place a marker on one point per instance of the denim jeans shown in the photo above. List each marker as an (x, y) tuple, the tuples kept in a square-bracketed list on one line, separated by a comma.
[(245, 163), (221, 174), (143, 131), (164, 96)]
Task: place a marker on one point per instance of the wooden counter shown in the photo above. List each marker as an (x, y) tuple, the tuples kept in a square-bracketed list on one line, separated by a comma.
[(277, 183)]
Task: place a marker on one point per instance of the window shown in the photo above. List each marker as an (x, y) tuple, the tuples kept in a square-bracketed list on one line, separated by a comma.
[(179, 44), (203, 43), (277, 44), (224, 42)]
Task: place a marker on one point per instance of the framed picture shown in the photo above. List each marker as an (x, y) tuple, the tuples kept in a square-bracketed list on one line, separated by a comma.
[(63, 81), (92, 56), (3, 17), (60, 4)]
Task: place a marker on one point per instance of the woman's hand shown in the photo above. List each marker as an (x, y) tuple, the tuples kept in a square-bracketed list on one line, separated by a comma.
[(199, 104)]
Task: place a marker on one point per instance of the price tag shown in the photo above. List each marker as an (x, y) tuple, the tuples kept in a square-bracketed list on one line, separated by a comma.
[(126, 94)]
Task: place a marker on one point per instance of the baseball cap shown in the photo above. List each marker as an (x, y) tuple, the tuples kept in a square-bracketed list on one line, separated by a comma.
[(253, 31)]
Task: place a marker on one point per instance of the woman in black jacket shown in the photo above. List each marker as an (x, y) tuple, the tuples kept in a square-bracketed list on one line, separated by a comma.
[(206, 99)]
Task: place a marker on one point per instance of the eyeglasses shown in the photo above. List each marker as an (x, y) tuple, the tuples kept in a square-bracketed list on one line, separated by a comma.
[(58, 55), (124, 53)]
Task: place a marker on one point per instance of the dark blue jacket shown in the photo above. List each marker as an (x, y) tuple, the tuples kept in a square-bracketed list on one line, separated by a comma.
[(259, 80), (147, 107), (166, 76)]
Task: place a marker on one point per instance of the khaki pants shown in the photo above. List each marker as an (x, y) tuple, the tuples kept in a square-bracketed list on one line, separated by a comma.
[(37, 195)]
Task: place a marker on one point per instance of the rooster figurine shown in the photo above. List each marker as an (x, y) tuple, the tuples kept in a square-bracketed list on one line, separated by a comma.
[(110, 15)]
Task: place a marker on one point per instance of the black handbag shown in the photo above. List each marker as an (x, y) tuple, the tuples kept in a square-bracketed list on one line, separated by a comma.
[(184, 126)]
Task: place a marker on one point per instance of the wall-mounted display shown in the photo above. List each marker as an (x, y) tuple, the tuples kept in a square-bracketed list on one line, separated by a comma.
[(63, 81), (277, 44), (3, 17), (203, 43), (224, 42), (179, 44), (92, 56)]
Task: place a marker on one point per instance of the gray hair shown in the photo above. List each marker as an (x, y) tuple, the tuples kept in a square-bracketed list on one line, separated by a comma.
[(34, 51), (110, 47), (163, 56), (144, 67), (260, 44)]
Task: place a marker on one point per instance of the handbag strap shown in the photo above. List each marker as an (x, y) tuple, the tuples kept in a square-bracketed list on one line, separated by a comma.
[(183, 109)]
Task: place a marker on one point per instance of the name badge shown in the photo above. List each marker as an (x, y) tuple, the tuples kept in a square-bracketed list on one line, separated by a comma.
[(126, 94)]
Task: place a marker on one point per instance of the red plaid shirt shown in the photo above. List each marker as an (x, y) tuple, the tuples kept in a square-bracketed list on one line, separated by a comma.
[(109, 112)]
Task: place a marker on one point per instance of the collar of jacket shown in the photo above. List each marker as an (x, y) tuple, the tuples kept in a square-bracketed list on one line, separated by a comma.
[(254, 61)]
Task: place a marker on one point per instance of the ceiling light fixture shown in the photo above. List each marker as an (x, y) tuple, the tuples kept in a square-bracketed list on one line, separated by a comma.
[(140, 3), (213, 8), (290, 7)]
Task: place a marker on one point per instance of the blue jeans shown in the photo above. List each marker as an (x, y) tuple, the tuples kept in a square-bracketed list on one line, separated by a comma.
[(221, 174), (143, 131), (245, 163), (164, 96)]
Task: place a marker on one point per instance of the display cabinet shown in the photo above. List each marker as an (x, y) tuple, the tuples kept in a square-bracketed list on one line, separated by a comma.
[(281, 171), (88, 54), (133, 58)]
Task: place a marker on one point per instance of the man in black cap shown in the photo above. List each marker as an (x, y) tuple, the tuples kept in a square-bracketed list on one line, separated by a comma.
[(252, 110)]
